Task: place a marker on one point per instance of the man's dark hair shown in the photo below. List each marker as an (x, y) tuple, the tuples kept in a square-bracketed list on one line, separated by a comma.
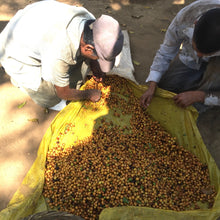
[(207, 32), (88, 34)]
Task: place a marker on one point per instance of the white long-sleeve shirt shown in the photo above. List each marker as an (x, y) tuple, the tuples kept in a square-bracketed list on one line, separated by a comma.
[(44, 34), (180, 33)]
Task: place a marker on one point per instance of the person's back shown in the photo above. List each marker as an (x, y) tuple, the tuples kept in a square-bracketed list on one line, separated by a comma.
[(38, 36), (31, 31)]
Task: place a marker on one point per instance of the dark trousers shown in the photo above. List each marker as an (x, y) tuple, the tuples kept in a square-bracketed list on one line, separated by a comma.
[(180, 78)]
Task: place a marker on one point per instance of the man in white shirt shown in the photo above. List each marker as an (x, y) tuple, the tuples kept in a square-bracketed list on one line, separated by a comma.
[(46, 47), (192, 42)]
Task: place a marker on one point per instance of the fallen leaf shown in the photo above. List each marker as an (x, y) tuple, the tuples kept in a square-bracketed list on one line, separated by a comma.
[(131, 32), (163, 30), (34, 120), (22, 105), (136, 16), (136, 62), (148, 7), (46, 111)]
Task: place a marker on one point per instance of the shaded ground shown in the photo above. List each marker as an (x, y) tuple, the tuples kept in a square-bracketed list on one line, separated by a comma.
[(22, 129)]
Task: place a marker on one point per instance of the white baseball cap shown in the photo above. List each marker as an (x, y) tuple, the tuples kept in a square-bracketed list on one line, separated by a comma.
[(108, 41)]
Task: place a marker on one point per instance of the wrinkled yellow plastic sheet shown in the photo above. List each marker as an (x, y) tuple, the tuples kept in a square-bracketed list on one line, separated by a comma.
[(181, 123)]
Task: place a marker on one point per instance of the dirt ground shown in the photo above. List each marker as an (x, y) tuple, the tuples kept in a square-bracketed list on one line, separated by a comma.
[(22, 129)]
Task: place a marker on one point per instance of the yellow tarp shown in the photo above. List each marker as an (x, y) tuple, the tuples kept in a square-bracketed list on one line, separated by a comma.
[(179, 122)]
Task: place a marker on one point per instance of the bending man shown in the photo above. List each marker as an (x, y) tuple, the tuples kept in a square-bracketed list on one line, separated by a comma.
[(44, 48)]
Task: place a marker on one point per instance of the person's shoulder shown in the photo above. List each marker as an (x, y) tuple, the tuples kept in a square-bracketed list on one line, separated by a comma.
[(193, 11), (203, 4)]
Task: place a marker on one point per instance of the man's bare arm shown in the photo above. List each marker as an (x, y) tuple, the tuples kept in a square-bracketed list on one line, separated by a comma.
[(77, 95)]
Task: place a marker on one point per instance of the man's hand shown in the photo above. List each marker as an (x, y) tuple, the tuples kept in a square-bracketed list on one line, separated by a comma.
[(185, 99), (148, 95), (99, 78), (94, 95), (98, 75), (66, 93)]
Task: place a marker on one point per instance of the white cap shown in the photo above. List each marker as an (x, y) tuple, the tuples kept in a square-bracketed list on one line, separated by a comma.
[(108, 40)]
